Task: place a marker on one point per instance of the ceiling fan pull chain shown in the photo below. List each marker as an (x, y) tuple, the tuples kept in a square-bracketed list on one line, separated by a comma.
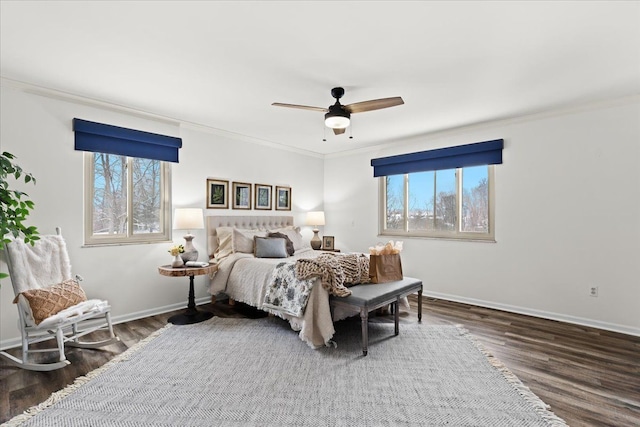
[(351, 130), (324, 133)]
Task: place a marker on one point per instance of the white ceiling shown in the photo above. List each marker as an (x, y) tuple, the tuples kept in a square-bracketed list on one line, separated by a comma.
[(222, 64)]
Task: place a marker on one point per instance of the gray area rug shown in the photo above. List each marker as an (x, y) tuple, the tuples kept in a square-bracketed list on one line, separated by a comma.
[(243, 372)]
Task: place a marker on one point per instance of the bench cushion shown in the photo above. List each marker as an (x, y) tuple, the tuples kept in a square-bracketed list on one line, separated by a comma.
[(371, 294)]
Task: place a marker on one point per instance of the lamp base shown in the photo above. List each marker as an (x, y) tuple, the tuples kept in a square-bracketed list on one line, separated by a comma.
[(190, 253), (189, 256), (316, 243)]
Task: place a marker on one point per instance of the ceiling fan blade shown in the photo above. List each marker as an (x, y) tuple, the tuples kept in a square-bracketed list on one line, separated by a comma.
[(338, 131), (302, 107), (375, 104)]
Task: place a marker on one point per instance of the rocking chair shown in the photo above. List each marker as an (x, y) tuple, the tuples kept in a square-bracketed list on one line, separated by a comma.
[(51, 303)]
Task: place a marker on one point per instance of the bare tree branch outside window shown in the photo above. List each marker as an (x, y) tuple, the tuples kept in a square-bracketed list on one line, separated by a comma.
[(110, 195), (436, 197)]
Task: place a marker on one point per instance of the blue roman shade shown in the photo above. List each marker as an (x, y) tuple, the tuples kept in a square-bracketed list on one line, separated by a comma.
[(479, 153), (101, 138)]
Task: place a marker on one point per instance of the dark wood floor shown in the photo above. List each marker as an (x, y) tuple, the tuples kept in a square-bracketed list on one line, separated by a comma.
[(589, 377)]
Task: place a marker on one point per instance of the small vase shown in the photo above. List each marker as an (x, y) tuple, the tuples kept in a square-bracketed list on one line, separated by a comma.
[(177, 262)]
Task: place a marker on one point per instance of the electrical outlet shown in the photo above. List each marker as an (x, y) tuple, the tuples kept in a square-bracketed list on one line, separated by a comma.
[(593, 291)]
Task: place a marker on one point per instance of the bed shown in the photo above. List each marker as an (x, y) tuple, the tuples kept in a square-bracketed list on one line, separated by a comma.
[(245, 278)]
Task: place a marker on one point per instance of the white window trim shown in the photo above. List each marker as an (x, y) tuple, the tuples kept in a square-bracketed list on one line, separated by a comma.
[(434, 234), (130, 238)]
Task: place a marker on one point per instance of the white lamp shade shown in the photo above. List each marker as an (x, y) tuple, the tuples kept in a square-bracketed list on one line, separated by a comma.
[(188, 219), (315, 218)]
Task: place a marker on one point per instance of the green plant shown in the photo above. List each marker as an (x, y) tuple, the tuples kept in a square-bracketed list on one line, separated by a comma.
[(15, 205)]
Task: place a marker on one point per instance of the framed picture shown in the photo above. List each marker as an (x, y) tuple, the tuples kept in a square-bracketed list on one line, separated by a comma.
[(217, 194), (262, 196), (283, 198), (328, 243), (241, 195)]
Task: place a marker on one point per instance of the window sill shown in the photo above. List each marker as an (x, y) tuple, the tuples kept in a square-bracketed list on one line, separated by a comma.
[(447, 238), (141, 242)]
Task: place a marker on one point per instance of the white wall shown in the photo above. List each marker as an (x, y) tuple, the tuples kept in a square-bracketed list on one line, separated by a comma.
[(567, 218), (567, 209), (38, 130)]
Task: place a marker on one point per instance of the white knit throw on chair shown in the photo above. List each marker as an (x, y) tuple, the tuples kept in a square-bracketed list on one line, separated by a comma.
[(44, 264)]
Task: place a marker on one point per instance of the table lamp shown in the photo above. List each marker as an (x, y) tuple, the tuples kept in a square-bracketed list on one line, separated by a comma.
[(315, 219), (188, 219)]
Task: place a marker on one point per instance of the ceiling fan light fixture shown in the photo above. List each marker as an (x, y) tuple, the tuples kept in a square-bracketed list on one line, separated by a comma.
[(337, 122), (337, 118)]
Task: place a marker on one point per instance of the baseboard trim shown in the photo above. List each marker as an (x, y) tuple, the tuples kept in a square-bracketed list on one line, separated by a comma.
[(17, 341), (157, 310), (613, 327)]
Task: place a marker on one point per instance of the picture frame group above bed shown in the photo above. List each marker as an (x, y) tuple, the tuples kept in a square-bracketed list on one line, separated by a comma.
[(262, 196), (217, 193), (283, 198), (241, 195), (247, 196)]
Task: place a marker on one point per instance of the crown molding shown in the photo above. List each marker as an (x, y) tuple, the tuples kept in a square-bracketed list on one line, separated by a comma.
[(84, 100), (237, 136), (504, 121), (92, 102)]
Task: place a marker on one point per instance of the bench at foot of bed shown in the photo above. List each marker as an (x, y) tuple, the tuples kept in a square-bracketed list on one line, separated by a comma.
[(367, 297)]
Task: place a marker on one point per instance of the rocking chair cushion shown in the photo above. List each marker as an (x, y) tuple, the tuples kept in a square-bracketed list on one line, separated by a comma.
[(46, 302)]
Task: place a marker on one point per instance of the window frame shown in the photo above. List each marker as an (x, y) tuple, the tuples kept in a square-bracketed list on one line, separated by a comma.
[(457, 234), (130, 238)]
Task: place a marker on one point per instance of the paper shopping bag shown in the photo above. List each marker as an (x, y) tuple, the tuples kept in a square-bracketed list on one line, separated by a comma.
[(385, 268)]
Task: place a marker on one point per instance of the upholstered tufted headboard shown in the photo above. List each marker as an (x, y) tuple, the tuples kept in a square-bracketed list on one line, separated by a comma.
[(244, 222)]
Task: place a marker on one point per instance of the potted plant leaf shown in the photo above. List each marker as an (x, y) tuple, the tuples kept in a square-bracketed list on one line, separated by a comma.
[(15, 205)]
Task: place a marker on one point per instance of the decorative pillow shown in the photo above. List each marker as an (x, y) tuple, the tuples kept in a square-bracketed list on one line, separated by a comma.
[(270, 247), (225, 247), (243, 240), (45, 302), (293, 233), (289, 243)]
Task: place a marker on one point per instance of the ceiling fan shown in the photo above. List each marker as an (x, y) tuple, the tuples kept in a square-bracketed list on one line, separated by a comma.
[(338, 116)]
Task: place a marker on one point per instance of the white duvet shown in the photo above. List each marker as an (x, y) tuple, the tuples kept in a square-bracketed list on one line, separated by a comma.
[(245, 278)]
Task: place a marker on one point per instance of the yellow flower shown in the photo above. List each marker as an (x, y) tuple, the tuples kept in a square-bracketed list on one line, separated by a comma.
[(175, 250)]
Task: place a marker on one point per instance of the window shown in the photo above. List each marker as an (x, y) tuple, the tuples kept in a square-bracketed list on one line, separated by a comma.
[(446, 192), (127, 199), (451, 203), (127, 183)]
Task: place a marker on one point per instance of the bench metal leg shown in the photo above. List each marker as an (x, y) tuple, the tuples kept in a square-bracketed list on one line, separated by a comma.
[(396, 315), (386, 298), (364, 316)]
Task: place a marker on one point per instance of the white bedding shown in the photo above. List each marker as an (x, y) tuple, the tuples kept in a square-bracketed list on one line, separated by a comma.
[(245, 278)]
